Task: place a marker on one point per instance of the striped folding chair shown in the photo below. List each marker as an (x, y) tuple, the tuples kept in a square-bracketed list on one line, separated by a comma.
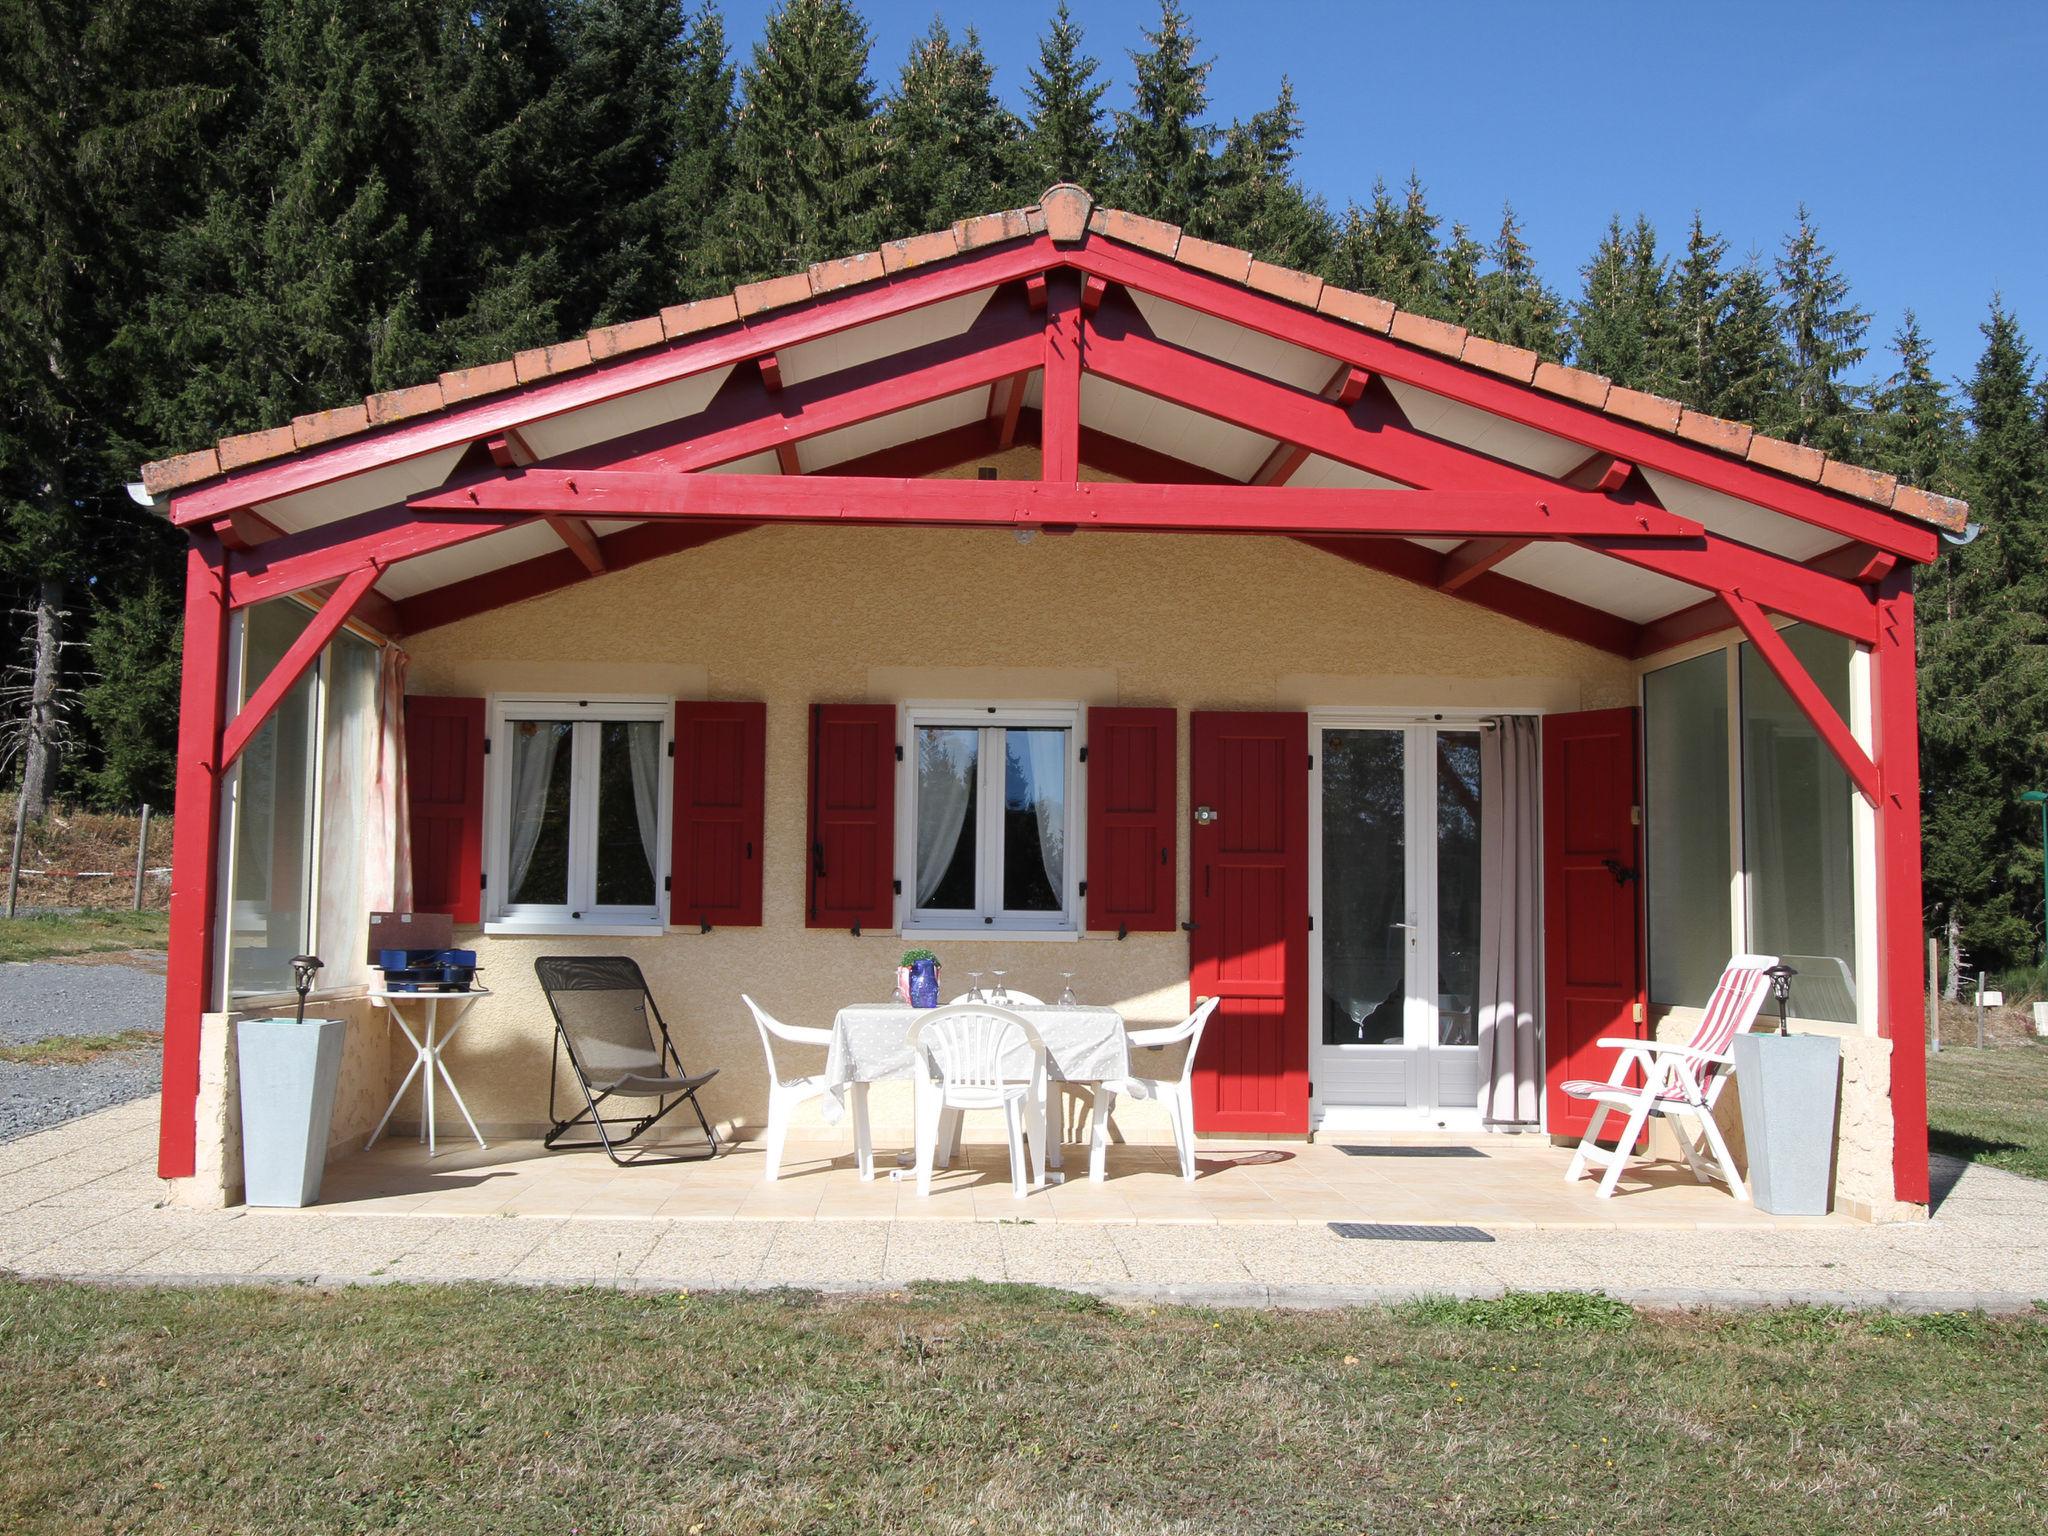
[(1679, 1083)]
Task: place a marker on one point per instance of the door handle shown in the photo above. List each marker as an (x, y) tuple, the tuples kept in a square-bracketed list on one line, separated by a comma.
[(1404, 925), (1621, 872)]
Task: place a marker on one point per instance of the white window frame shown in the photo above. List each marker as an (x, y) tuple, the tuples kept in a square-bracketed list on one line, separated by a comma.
[(989, 919), (580, 914)]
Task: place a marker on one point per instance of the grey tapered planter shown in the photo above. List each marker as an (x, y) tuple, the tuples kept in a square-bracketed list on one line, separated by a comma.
[(289, 1069), (1788, 1085)]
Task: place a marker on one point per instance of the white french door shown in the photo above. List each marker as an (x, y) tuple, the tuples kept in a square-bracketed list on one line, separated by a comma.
[(1394, 893)]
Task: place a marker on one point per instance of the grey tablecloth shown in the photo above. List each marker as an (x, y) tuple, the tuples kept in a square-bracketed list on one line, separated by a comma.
[(870, 1042)]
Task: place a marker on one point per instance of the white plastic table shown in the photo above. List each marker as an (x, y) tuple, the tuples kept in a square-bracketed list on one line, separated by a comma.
[(438, 1015)]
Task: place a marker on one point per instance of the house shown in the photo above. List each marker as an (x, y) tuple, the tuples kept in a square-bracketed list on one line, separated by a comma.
[(1072, 596)]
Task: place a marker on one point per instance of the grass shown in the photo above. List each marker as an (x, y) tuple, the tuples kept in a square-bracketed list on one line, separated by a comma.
[(77, 1050), (1991, 1105), (81, 933), (996, 1409)]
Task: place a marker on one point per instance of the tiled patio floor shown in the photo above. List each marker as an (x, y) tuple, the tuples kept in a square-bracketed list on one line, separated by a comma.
[(1497, 1182)]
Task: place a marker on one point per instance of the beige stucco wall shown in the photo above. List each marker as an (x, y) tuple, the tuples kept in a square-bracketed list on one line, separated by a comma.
[(795, 616)]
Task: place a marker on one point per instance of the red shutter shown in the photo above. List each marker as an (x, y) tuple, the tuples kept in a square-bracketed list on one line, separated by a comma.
[(853, 817), (715, 870), (1132, 827), (444, 795)]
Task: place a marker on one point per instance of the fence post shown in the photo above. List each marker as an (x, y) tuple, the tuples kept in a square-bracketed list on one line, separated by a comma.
[(14, 860), (141, 854), (1933, 995), (1980, 1010)]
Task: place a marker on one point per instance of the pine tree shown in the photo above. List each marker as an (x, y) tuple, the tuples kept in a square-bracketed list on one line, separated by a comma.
[(1983, 613), (1516, 307), (701, 166), (1390, 251), (1699, 303), (807, 147), (1463, 297), (131, 697), (1824, 336), (1255, 202), (1748, 380), (952, 146), (1065, 140), (1163, 148), (1622, 319), (1914, 428)]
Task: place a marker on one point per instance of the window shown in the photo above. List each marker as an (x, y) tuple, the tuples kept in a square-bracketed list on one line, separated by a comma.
[(298, 801), (579, 827), (991, 820), (1689, 851)]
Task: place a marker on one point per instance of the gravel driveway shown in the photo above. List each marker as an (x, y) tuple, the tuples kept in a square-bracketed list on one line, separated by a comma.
[(86, 995)]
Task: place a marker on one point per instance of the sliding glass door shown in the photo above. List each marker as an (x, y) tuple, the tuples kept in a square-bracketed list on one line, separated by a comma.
[(1396, 911)]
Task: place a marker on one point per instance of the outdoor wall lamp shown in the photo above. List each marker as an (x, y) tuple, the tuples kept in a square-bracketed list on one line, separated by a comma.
[(1781, 976)]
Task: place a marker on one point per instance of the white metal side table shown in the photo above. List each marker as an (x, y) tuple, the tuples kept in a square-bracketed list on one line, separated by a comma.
[(429, 1021)]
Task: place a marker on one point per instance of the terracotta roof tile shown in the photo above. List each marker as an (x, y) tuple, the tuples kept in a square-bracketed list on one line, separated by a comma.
[(628, 336), (254, 447), (680, 320), (1225, 261), (1303, 288), (830, 276), (1069, 215), (772, 293), (399, 404), (1517, 363), (1715, 432), (160, 475), (1431, 335), (1786, 458), (1359, 309)]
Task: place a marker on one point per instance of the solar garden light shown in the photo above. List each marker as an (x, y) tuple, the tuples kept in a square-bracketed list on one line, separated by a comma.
[(2040, 798), (303, 967), (1781, 976)]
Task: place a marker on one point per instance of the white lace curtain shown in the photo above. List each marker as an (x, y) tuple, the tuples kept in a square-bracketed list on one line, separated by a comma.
[(1046, 757), (946, 765), (643, 744)]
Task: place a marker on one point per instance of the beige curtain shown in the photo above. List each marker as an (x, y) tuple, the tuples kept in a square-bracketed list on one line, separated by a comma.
[(387, 862), (1510, 924)]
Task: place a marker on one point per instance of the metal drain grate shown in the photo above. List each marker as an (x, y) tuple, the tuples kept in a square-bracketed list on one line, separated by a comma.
[(1425, 1151), (1402, 1232)]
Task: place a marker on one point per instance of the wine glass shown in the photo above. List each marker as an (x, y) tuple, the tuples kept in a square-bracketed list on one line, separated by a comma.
[(1002, 993), (1067, 998), (895, 983), (974, 992)]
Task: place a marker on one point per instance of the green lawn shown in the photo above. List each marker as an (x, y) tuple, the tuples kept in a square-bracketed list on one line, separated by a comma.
[(990, 1409), (38, 938), (1991, 1105)]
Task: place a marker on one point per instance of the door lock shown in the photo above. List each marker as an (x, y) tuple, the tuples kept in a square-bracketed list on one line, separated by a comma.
[(1204, 815), (1621, 872)]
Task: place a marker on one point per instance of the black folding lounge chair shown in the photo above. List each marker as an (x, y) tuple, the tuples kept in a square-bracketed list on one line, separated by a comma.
[(618, 1047)]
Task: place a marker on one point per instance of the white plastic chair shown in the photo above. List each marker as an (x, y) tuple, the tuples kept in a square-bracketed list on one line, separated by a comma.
[(1680, 1083), (958, 1062), (949, 1123), (1176, 1094), (785, 1093)]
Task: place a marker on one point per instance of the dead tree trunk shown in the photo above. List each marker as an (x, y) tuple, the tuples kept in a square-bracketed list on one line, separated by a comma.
[(40, 729), (1952, 988)]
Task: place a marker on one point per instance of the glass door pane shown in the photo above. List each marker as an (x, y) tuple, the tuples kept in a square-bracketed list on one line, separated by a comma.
[(1365, 887), (1457, 886)]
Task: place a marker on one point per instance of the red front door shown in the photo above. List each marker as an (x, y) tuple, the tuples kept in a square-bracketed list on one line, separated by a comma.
[(1249, 872), (1592, 901)]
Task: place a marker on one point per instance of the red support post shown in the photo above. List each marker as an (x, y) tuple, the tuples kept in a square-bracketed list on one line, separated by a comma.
[(195, 841), (1060, 416), (1901, 942), (292, 666), (1806, 694)]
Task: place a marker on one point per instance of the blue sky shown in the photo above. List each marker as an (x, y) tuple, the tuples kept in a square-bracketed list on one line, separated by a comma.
[(1912, 131)]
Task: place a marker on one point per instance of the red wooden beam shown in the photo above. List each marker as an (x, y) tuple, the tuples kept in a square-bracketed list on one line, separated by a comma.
[(1034, 291), (1595, 429), (1683, 627), (786, 459), (1813, 704), (373, 609), (1496, 593), (1382, 443), (552, 572), (1346, 387), (779, 329), (575, 534), (292, 666), (195, 854), (508, 449), (1092, 290), (1559, 513), (245, 528), (1012, 406), (1060, 414), (1473, 559), (771, 372), (1901, 942), (304, 560)]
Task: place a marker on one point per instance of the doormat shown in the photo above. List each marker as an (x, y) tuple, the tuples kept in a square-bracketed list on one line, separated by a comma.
[(1400, 1232), (1357, 1151)]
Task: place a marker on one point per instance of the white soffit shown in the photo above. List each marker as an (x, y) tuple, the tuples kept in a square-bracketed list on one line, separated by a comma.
[(1741, 520), (753, 464), (1441, 546), (1495, 436), (1599, 581), (882, 338), (478, 557), (906, 426), (629, 413), (1317, 471), (1234, 344), (1174, 430), (364, 492)]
